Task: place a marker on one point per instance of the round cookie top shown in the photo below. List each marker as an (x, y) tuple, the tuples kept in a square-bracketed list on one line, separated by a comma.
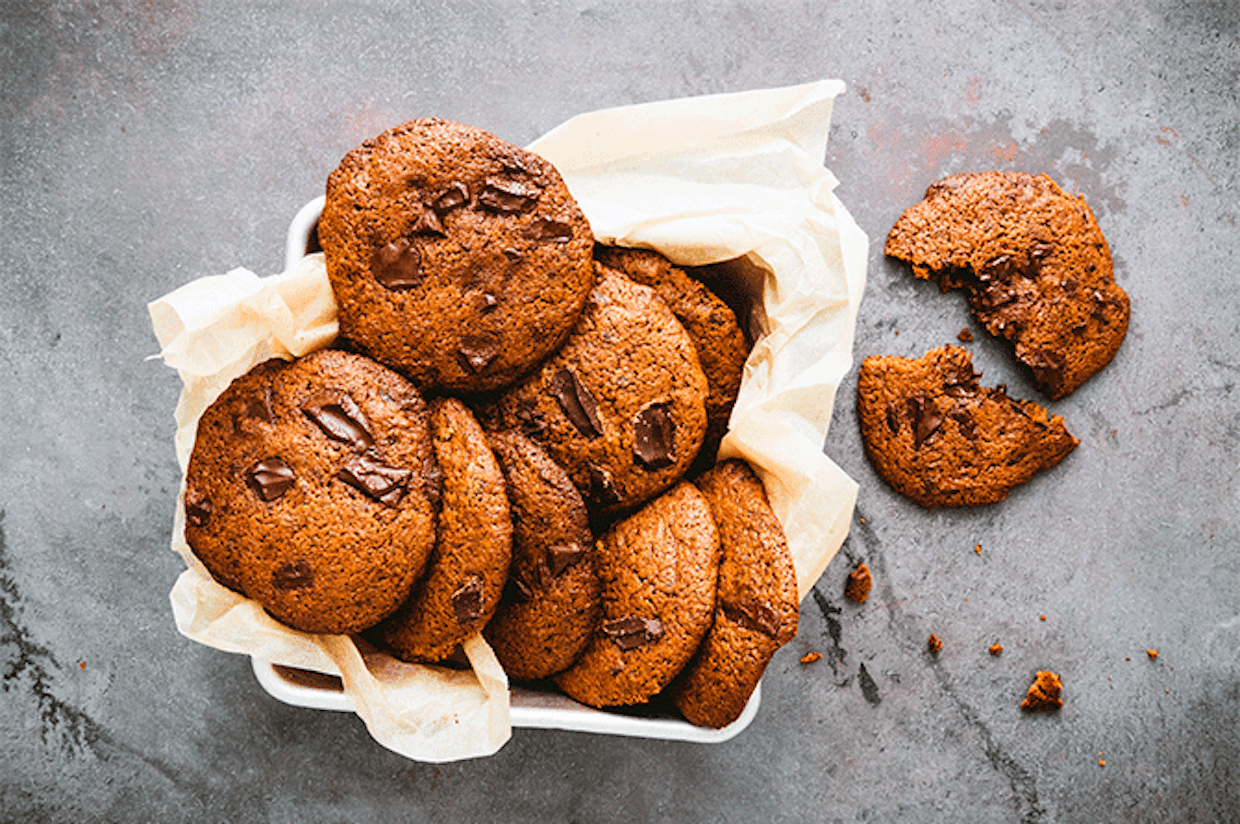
[(307, 490), (756, 609), (710, 323), (622, 405), (456, 258), (551, 605), (658, 569), (1033, 263), (466, 575), (940, 438)]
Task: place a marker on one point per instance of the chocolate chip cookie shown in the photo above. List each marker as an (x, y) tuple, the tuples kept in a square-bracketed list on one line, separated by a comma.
[(720, 344), (307, 490), (940, 438), (551, 605), (1033, 263), (659, 571), (622, 405), (466, 575), (456, 258), (756, 608)]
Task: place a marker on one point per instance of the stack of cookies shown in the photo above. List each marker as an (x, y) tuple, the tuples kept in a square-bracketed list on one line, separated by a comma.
[(514, 434)]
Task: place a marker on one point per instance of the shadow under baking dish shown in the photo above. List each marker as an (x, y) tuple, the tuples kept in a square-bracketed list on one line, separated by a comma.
[(529, 707)]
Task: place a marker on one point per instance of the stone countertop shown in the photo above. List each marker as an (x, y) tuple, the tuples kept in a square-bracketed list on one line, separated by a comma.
[(145, 145)]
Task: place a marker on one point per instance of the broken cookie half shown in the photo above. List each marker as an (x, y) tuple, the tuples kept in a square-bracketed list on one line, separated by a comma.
[(1034, 266), (937, 436)]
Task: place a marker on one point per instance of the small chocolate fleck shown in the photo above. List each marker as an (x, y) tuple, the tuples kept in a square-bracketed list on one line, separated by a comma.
[(755, 615), (197, 508), (476, 353), (383, 483), (561, 556), (467, 601), (297, 575), (654, 437), (270, 478), (549, 230), (398, 265), (577, 402), (633, 631), (456, 195), (926, 418), (507, 196), (340, 418)]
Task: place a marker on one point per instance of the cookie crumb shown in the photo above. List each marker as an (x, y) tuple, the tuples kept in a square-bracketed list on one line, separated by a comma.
[(934, 643), (811, 657), (995, 648), (1041, 617), (857, 588), (1101, 763), (1152, 653), (978, 549), (1043, 694), (965, 335)]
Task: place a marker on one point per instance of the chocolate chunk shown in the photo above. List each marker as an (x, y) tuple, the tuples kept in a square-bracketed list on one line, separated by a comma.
[(633, 631), (602, 490), (507, 196), (654, 437), (577, 402), (297, 575), (968, 427), (527, 415), (755, 615), (549, 230), (467, 601), (476, 352), (340, 418), (893, 420), (1047, 368), (1038, 255), (1000, 269), (197, 508), (259, 407), (561, 556), (456, 195), (397, 265), (926, 418), (270, 478), (381, 482), (427, 223), (487, 303)]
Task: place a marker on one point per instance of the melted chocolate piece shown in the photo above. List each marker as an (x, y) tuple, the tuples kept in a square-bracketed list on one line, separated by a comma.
[(467, 601), (456, 195), (383, 483), (926, 418), (654, 437), (633, 631), (197, 508), (1047, 368), (427, 223), (968, 427), (755, 615), (561, 556), (507, 196), (398, 265), (476, 353), (297, 575), (270, 478), (340, 418), (577, 402), (602, 490), (549, 230)]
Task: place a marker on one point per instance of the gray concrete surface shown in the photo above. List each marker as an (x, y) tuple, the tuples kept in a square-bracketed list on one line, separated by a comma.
[(145, 144)]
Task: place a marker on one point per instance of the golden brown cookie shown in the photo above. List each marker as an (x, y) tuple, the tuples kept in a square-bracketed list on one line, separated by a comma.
[(307, 490), (720, 344), (1033, 263), (940, 438), (551, 605), (756, 608), (1044, 693), (622, 405), (456, 258), (467, 572), (659, 569)]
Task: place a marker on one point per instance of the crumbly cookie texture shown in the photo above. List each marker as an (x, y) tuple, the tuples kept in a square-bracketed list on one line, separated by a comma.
[(466, 575), (659, 572), (1033, 263), (308, 489), (720, 344), (756, 609), (456, 258), (551, 606), (940, 438), (1044, 693)]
